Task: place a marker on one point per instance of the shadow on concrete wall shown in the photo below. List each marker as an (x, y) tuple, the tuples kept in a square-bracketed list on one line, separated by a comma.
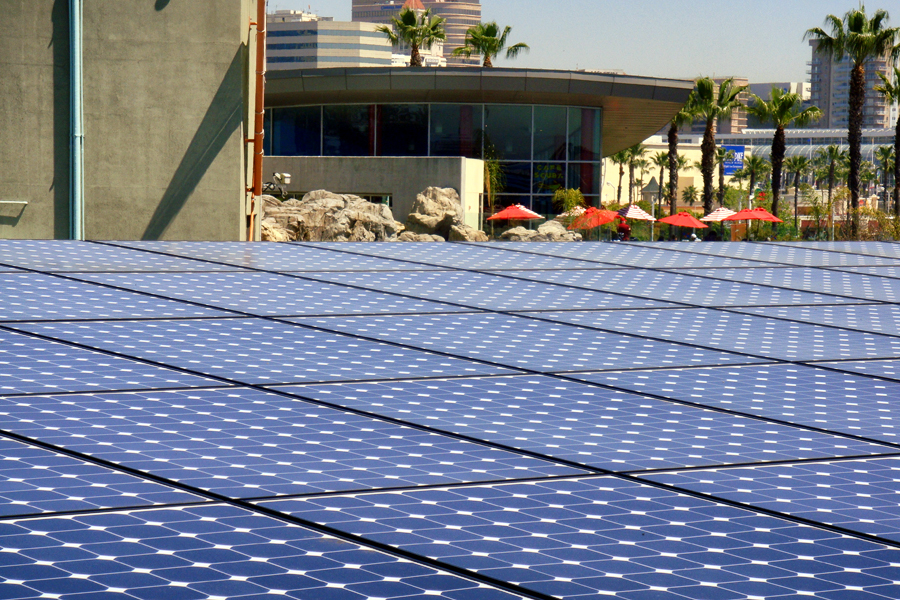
[(161, 4), (13, 220), (62, 125), (222, 119)]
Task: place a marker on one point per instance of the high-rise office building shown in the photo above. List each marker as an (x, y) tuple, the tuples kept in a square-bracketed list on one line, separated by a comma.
[(830, 81), (460, 15), (302, 40)]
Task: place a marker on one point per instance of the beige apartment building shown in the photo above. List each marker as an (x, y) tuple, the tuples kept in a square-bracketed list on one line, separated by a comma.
[(460, 15), (301, 40)]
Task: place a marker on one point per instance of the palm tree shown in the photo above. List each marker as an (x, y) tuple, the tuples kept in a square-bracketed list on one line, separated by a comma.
[(661, 160), (722, 156), (861, 39), (635, 154), (684, 117), (416, 31), (620, 158), (712, 104), (831, 157), (891, 94), (485, 39), (782, 110), (799, 166), (756, 167), (690, 195), (885, 157)]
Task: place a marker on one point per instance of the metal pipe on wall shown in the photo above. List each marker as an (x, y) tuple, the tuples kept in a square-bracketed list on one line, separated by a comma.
[(76, 112), (259, 106)]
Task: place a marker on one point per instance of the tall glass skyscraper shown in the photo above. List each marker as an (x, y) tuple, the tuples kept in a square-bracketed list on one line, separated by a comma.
[(460, 15)]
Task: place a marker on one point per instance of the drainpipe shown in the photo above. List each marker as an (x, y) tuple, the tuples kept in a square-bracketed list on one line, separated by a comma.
[(259, 125), (76, 110)]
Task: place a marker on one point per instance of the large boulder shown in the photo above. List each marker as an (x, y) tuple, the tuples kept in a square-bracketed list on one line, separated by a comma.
[(322, 216), (465, 233), (409, 236), (551, 231), (438, 212)]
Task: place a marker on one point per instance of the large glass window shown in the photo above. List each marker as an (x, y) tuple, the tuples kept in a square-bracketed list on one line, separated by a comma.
[(297, 131), (349, 131), (517, 177), (456, 130), (402, 130), (549, 133), (548, 177), (584, 134), (586, 177), (508, 132)]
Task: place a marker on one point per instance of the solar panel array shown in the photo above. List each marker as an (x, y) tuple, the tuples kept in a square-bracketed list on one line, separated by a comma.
[(673, 421)]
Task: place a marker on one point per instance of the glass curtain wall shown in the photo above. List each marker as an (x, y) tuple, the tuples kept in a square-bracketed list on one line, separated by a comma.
[(540, 149)]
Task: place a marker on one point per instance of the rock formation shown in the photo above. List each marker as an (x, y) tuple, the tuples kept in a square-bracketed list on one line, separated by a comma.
[(551, 231), (326, 217), (438, 212)]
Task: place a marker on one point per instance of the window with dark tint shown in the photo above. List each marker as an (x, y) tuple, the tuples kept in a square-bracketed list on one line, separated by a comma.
[(508, 132), (296, 131), (548, 177), (456, 130), (543, 205), (516, 177), (584, 134), (349, 131), (402, 130), (586, 177), (505, 200), (549, 133)]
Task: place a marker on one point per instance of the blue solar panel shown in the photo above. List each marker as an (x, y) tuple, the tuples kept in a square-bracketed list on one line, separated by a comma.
[(755, 335), (527, 343), (859, 495), (585, 424), (877, 271), (685, 289), (278, 257), (461, 256), (610, 538), (875, 318), (247, 443), (207, 552), (259, 351), (60, 256), (30, 365), (34, 297), (814, 397), (826, 281), (883, 249), (492, 292), (888, 369), (628, 255), (268, 294), (33, 480), (794, 254)]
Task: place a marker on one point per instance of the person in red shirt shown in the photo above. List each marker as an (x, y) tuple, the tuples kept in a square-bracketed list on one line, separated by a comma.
[(624, 230)]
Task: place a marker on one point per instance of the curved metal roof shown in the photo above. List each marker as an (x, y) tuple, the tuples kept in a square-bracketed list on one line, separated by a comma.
[(634, 108)]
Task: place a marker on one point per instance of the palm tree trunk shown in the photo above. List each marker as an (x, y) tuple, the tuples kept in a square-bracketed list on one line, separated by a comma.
[(796, 197), (854, 138), (621, 175), (708, 164), (778, 148), (488, 64), (897, 169), (830, 190), (752, 185), (415, 58), (673, 172), (631, 183), (662, 173), (720, 195)]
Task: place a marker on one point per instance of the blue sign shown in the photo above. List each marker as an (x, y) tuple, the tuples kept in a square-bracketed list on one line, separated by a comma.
[(736, 161)]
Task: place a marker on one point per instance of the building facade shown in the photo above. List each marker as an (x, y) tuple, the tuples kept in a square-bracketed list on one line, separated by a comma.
[(830, 82), (460, 15), (303, 41)]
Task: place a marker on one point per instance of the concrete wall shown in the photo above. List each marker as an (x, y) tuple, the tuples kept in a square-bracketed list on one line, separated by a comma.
[(403, 178), (166, 112)]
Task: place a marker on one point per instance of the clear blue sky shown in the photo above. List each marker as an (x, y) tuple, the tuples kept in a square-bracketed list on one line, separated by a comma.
[(759, 39)]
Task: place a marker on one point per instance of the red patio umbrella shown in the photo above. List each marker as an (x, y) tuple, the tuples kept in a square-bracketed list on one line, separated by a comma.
[(684, 219), (516, 212), (753, 214), (593, 217)]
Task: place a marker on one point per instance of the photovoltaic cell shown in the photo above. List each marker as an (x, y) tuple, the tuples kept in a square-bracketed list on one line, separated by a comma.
[(494, 257), (684, 289), (876, 271), (793, 255), (491, 292), (526, 343), (883, 249), (30, 365), (60, 256), (825, 281), (859, 495), (755, 335), (33, 481), (34, 297), (605, 537), (246, 443), (888, 369), (875, 318), (602, 428), (207, 552), (268, 294), (803, 395), (258, 351), (277, 257)]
